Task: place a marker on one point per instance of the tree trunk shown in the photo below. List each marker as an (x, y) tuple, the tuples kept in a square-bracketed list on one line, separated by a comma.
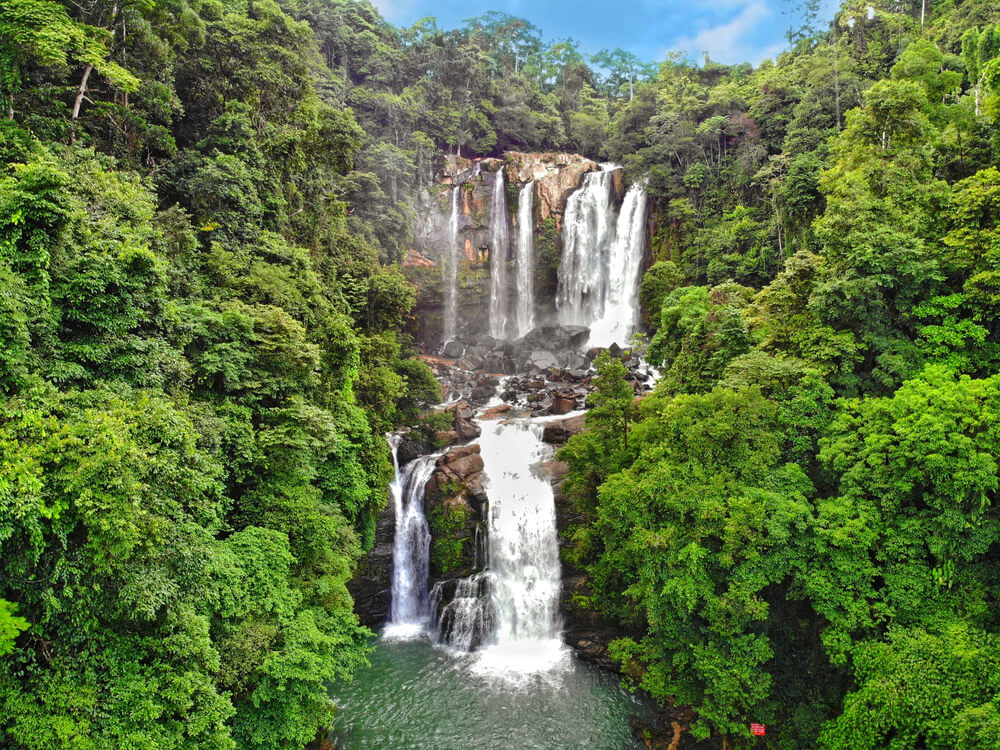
[(81, 92)]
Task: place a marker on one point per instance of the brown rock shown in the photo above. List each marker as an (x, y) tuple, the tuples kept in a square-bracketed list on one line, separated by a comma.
[(554, 470), (495, 412), (466, 466), (559, 431), (562, 404), (446, 438), (456, 453)]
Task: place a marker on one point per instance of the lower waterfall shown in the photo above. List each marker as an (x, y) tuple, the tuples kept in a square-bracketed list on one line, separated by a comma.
[(523, 549), (506, 679), (411, 544)]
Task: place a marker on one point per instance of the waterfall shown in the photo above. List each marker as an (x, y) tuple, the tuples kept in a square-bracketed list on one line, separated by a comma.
[(468, 619), (499, 248), (411, 543), (621, 302), (525, 312), (523, 550), (599, 270), (588, 232), (450, 271)]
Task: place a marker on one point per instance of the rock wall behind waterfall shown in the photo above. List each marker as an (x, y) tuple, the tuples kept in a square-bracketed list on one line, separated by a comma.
[(556, 177)]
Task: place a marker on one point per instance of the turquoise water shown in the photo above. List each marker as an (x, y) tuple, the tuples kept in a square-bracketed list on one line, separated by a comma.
[(417, 696)]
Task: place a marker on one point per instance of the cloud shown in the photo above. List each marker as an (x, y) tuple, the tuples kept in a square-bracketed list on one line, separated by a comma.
[(744, 38), (395, 11)]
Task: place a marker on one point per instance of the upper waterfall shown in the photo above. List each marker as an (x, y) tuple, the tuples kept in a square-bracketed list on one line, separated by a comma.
[(499, 248), (620, 317), (525, 312), (602, 252), (450, 271)]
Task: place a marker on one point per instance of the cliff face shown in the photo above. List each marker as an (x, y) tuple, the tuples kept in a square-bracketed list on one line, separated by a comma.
[(555, 175)]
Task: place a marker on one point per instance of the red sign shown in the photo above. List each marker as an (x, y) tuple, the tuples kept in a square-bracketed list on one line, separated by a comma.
[(757, 730)]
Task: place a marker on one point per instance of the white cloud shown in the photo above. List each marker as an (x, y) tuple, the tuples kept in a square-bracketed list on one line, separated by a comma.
[(394, 10), (734, 40)]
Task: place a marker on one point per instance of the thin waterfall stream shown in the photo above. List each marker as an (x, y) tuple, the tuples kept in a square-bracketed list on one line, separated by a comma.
[(449, 268), (411, 544)]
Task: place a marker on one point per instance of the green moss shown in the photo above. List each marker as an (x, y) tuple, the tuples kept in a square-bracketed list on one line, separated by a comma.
[(446, 522), (546, 259)]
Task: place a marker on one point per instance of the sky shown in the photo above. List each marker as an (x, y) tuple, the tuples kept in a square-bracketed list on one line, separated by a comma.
[(732, 31)]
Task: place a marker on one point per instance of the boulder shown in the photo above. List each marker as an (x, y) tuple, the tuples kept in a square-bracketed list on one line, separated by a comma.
[(542, 359), (371, 587), (558, 431), (453, 349), (562, 403)]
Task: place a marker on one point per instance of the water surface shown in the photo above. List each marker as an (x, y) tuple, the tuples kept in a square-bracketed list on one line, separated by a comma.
[(417, 696)]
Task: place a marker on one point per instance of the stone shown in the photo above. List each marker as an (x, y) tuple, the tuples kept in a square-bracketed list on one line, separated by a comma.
[(542, 359), (446, 437), (495, 412), (562, 404), (558, 431), (371, 586), (467, 429), (454, 349)]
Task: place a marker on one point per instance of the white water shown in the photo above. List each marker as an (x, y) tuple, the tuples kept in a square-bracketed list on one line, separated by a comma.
[(499, 248), (411, 545), (525, 312), (620, 317), (601, 259), (523, 552), (450, 269)]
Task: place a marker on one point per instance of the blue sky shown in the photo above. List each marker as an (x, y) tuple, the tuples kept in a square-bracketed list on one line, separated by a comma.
[(732, 31)]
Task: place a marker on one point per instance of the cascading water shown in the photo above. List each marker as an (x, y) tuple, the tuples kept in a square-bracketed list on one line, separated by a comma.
[(450, 271), (499, 248), (523, 551), (525, 312), (411, 544), (588, 233), (601, 259), (621, 300)]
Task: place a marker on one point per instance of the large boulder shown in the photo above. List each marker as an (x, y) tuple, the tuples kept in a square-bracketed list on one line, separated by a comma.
[(558, 431), (542, 359)]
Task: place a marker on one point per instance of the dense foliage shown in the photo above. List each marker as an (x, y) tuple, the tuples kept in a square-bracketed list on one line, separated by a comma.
[(803, 527), (202, 208), (199, 353)]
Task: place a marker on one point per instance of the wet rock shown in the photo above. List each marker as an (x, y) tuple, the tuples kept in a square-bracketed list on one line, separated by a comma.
[(453, 349), (542, 359), (562, 403), (444, 438), (371, 587), (495, 412), (559, 431)]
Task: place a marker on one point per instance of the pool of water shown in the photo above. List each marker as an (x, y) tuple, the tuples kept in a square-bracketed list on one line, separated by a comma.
[(418, 696)]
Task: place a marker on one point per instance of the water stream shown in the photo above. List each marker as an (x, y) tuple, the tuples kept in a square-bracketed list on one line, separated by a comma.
[(499, 248), (449, 269), (411, 544), (525, 312)]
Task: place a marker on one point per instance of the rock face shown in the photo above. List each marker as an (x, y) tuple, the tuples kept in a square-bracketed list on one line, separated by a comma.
[(556, 176), (371, 586), (455, 505)]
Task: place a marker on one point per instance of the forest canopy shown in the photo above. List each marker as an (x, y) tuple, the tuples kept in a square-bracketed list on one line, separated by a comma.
[(205, 334)]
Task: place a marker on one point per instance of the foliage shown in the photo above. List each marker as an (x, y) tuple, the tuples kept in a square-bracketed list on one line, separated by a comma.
[(446, 521)]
